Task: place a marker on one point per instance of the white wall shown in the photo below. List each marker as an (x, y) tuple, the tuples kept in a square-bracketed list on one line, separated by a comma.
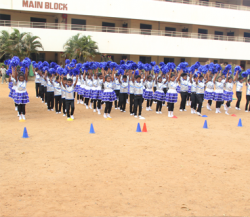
[(146, 10), (133, 44)]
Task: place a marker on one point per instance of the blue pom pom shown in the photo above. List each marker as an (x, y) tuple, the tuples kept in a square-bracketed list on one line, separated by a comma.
[(121, 72), (113, 65), (74, 61), (122, 62), (67, 61), (147, 67), (237, 68), (72, 65), (45, 63), (183, 65), (140, 66), (156, 69), (153, 63), (136, 72), (52, 71), (244, 74), (248, 71), (7, 62), (52, 64), (15, 61), (45, 68), (25, 64), (134, 66), (161, 64)]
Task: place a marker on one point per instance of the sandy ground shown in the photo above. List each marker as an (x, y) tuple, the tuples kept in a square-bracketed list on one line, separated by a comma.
[(176, 169)]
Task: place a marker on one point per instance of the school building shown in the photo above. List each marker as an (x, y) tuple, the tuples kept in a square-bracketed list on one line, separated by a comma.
[(139, 30)]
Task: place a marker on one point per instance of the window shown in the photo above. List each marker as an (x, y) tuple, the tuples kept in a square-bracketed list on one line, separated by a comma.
[(145, 29), (170, 31), (247, 36), (184, 34), (215, 61), (108, 27), (168, 60), (4, 20), (246, 3), (145, 59), (182, 60), (37, 22), (218, 35), (230, 36), (204, 2), (77, 24), (124, 57), (38, 57), (243, 64), (202, 33)]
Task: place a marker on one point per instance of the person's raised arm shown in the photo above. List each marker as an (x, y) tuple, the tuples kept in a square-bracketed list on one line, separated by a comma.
[(227, 78), (26, 74), (179, 75), (119, 79), (76, 80), (215, 76), (14, 73), (169, 76), (112, 75), (236, 75)]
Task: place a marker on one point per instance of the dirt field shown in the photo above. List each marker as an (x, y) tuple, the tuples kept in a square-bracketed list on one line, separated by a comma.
[(176, 169)]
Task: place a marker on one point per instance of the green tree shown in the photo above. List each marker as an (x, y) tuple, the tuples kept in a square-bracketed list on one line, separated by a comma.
[(32, 44), (4, 43), (81, 48)]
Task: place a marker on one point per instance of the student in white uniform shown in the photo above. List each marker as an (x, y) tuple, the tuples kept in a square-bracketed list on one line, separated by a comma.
[(63, 91), (193, 80), (228, 92), (50, 92), (183, 91), (131, 96), (57, 95), (200, 85), (218, 92), (37, 82), (159, 94), (123, 93), (117, 89), (247, 96), (239, 86)]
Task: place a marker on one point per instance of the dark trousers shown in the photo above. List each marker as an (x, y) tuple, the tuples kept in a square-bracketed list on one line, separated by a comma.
[(41, 92), (117, 93), (159, 106), (64, 105), (183, 100), (193, 101), (238, 95), (86, 101), (247, 102), (218, 104), (58, 103), (132, 102), (98, 102), (170, 107), (165, 91), (228, 103), (70, 105), (37, 89), (209, 102), (108, 107), (188, 96), (46, 94), (154, 91), (199, 100), (50, 100), (21, 109), (138, 103), (149, 103), (122, 101)]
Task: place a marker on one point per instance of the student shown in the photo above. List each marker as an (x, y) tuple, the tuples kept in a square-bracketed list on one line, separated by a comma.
[(183, 91), (99, 92), (57, 95), (108, 95), (148, 93), (165, 84), (12, 87), (82, 88), (117, 87), (159, 95), (63, 92), (193, 81), (138, 92), (131, 96), (94, 93), (200, 93), (189, 92), (172, 95), (69, 97), (37, 81), (21, 97), (247, 96), (88, 88), (209, 93), (218, 92), (42, 87), (228, 92), (123, 93), (50, 92), (78, 90), (239, 86)]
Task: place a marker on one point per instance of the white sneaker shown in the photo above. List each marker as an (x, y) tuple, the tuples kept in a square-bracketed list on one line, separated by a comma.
[(160, 112), (84, 103), (116, 108), (99, 112), (246, 111), (169, 114), (192, 111), (181, 110), (127, 101), (94, 110), (208, 108), (105, 116), (150, 109), (136, 116), (16, 108), (37, 97), (87, 107), (131, 113), (187, 104), (157, 112), (184, 110), (57, 113), (64, 115), (72, 117), (155, 102), (219, 111), (147, 109), (109, 116), (42, 101), (124, 111), (23, 116), (239, 109), (48, 109), (225, 107), (226, 113), (46, 103), (90, 106), (52, 109), (18, 114), (236, 108), (20, 117), (78, 102), (81, 102), (216, 112), (142, 118), (198, 113)]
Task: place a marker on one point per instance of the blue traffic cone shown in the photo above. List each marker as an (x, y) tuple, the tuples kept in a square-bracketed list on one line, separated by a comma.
[(240, 123), (92, 131), (138, 130), (205, 125), (25, 133)]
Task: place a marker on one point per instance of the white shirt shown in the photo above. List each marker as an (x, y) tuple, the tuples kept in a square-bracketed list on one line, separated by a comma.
[(131, 87), (159, 87), (239, 86), (229, 86), (149, 85), (89, 84), (219, 86), (94, 84), (184, 85), (57, 89), (69, 93), (124, 87), (200, 87), (172, 85), (21, 86), (138, 88), (164, 84), (116, 84), (193, 87), (3, 71), (63, 90), (37, 78), (50, 87), (210, 86), (108, 86), (248, 89), (100, 82)]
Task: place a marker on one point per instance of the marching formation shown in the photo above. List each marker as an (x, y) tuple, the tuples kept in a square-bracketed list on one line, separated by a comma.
[(98, 85)]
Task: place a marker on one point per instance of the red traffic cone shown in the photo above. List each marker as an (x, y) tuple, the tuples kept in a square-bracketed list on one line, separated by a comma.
[(144, 128), (233, 115)]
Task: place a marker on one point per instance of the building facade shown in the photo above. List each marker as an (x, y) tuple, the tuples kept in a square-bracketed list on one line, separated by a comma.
[(139, 30)]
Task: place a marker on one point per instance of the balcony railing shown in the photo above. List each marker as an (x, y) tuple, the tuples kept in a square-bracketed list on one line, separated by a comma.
[(210, 4), (120, 30)]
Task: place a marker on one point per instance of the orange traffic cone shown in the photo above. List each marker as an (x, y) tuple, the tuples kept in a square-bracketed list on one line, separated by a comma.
[(144, 128)]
